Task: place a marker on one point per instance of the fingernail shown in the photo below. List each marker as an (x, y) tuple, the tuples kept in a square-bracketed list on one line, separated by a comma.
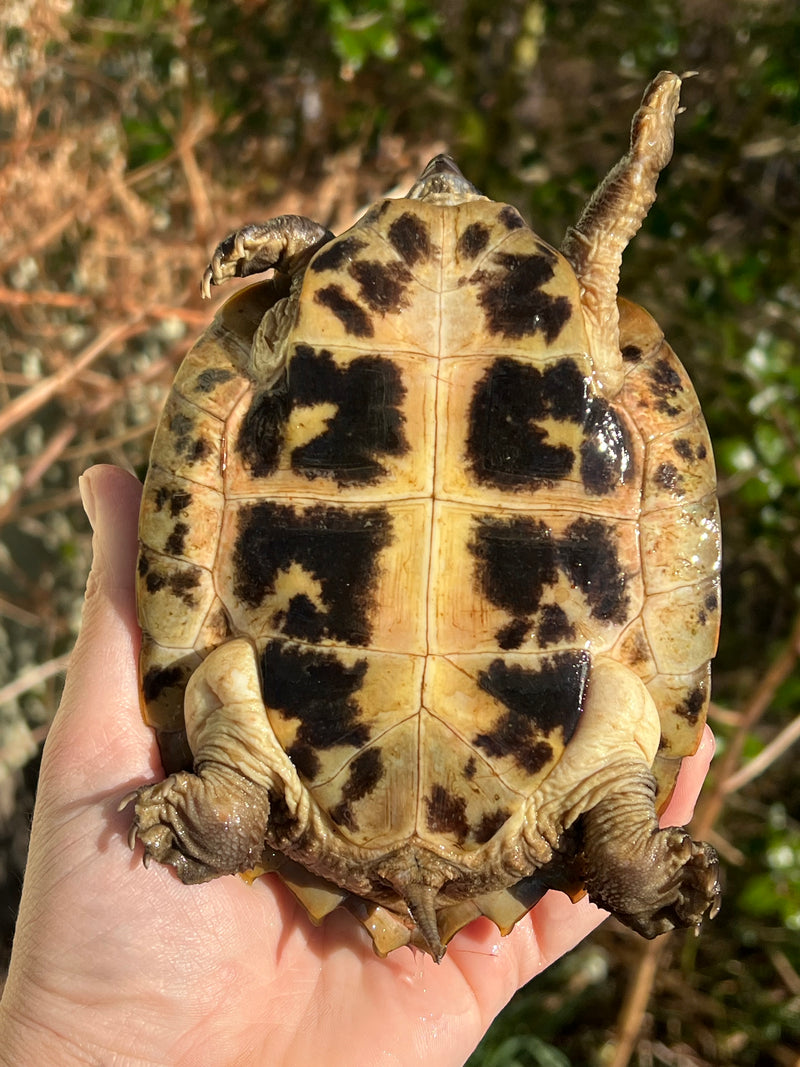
[(112, 510), (87, 498)]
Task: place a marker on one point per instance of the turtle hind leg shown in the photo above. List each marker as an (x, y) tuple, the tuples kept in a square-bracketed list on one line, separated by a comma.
[(213, 821), (653, 880), (613, 215), (203, 825)]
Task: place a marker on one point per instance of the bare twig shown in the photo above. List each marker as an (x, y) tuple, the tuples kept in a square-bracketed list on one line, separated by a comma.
[(25, 298), (198, 125), (24, 405), (55, 446), (637, 996), (777, 746), (34, 676), (783, 665), (18, 614)]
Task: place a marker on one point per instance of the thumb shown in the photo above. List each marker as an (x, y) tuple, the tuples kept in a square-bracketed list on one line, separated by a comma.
[(98, 739)]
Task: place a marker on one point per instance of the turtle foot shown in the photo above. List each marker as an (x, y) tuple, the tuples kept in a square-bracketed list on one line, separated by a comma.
[(284, 243), (665, 883), (201, 828)]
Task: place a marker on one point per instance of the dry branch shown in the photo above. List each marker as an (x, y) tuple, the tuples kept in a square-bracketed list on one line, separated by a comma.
[(21, 407)]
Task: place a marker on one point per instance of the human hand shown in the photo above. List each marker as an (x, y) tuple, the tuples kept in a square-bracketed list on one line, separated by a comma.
[(116, 964)]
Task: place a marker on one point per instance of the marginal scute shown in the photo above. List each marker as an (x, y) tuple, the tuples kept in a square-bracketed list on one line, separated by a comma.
[(438, 570), (182, 518)]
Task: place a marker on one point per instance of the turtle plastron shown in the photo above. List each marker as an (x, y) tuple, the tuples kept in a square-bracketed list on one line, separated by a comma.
[(429, 569)]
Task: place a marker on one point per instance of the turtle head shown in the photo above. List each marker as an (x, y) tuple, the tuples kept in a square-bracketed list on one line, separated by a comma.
[(443, 183)]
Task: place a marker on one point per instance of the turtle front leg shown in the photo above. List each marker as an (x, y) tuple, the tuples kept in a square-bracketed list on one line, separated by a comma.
[(285, 243), (612, 217), (652, 880), (214, 821)]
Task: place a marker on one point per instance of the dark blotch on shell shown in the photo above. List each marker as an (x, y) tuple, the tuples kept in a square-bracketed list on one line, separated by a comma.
[(339, 547), (318, 690), (511, 218), (365, 771), (631, 353), (447, 814), (207, 380), (514, 634), (176, 542), (382, 286), (368, 393), (337, 254), (668, 477), (180, 500), (606, 452), (518, 558), (666, 385), (692, 707), (513, 300), (183, 583), (409, 237), (553, 626), (262, 431), (589, 558), (505, 446), (351, 315), (473, 240), (157, 679), (538, 702), (490, 823)]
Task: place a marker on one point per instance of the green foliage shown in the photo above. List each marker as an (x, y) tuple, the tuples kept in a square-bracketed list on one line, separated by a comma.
[(378, 30), (523, 1051), (775, 891)]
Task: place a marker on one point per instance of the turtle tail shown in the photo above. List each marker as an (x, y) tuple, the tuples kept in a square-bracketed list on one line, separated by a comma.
[(421, 901)]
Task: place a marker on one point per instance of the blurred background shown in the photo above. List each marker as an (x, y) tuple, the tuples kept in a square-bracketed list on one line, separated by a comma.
[(134, 136)]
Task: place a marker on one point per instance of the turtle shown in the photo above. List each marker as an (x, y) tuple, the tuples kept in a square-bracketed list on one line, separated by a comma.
[(429, 569)]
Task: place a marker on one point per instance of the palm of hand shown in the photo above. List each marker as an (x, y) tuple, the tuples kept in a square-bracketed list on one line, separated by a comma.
[(131, 966)]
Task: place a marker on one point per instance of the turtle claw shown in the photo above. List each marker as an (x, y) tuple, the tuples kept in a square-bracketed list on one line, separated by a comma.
[(226, 262), (285, 243), (700, 892), (127, 799), (153, 821)]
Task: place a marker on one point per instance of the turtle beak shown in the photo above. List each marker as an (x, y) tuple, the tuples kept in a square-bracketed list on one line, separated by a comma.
[(443, 183)]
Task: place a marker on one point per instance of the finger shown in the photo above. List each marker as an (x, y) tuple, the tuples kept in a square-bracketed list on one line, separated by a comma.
[(98, 736), (690, 780)]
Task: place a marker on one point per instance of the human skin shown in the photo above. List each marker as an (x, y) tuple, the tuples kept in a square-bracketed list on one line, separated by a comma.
[(117, 965)]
